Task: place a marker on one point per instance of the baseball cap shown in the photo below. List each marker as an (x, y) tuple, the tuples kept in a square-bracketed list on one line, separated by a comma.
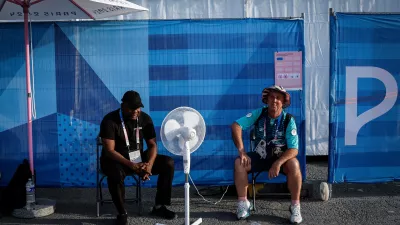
[(132, 99)]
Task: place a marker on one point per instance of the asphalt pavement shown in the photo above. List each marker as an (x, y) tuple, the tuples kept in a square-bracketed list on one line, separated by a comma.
[(349, 204)]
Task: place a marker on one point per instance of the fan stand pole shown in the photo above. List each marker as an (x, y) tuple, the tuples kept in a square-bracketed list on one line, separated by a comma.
[(186, 169), (187, 213), (187, 208)]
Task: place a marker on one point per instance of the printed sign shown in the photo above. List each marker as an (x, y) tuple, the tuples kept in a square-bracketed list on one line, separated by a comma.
[(289, 70)]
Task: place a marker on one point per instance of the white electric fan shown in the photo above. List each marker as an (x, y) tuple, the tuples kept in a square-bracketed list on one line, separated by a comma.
[(182, 132)]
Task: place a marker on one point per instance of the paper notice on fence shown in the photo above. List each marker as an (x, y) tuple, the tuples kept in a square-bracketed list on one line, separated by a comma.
[(289, 70)]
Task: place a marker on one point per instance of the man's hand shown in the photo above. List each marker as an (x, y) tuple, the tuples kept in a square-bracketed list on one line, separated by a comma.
[(136, 167), (274, 171), (244, 159), (146, 169)]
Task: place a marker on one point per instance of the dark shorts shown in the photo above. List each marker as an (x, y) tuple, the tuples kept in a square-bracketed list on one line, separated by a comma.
[(258, 164)]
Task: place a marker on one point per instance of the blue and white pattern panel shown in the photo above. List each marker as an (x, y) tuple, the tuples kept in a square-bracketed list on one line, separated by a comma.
[(218, 67), (364, 105), (82, 69)]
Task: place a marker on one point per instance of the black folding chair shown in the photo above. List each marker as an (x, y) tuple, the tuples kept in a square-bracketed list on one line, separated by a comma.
[(99, 187), (254, 175)]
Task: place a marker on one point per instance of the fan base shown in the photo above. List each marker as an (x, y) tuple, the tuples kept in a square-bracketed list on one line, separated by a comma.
[(198, 221)]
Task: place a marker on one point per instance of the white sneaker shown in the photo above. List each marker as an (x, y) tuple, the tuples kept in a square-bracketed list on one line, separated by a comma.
[(243, 210), (296, 214)]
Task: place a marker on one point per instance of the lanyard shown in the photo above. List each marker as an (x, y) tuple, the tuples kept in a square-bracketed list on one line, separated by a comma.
[(126, 134), (137, 134), (277, 123)]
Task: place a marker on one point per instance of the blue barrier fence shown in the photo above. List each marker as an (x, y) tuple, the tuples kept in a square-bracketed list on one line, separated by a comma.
[(364, 104), (82, 69)]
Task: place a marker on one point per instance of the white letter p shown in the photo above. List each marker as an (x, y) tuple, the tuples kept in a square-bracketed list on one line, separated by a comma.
[(353, 123)]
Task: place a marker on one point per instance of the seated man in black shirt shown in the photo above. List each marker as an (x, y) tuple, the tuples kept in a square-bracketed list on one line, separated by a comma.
[(122, 132)]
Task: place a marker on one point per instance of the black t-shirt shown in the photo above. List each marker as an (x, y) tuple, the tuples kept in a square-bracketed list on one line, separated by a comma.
[(111, 128)]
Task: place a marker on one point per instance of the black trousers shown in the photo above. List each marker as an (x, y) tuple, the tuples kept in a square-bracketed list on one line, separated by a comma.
[(116, 174)]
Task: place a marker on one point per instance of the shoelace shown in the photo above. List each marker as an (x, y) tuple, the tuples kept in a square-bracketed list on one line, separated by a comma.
[(242, 206), (296, 211)]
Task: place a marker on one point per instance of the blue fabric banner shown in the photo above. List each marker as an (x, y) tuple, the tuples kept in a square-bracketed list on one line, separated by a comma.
[(82, 69), (364, 104)]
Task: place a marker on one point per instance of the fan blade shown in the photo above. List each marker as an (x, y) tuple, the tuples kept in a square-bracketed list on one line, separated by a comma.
[(169, 129), (193, 142), (190, 119)]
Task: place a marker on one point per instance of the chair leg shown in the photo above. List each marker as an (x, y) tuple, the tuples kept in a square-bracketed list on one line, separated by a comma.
[(97, 198), (98, 209), (254, 191), (101, 193), (139, 197), (137, 189), (98, 181)]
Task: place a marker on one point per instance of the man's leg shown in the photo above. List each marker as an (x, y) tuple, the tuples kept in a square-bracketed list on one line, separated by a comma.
[(241, 179), (241, 183), (115, 180), (292, 170), (294, 179), (164, 168)]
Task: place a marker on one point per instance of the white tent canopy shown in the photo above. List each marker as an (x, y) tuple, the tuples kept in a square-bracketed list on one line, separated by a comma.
[(56, 10)]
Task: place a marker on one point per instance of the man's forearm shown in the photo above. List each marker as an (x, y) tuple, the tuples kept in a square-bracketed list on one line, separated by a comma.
[(119, 158), (237, 137), (288, 154), (152, 154)]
